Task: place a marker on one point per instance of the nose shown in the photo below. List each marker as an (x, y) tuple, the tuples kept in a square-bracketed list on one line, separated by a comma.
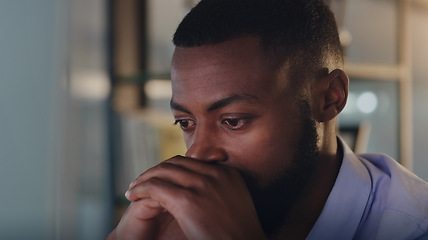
[(206, 146)]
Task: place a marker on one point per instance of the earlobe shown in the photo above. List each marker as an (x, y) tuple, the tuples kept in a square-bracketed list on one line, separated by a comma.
[(332, 95)]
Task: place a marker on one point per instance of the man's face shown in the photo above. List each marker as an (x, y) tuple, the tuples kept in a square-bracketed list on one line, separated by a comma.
[(238, 111)]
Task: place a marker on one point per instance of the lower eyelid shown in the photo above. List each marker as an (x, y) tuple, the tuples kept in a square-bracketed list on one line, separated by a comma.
[(242, 122)]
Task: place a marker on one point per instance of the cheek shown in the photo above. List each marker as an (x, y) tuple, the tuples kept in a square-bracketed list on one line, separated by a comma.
[(264, 154)]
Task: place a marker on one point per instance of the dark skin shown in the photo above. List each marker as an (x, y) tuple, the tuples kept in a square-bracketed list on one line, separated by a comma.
[(237, 113)]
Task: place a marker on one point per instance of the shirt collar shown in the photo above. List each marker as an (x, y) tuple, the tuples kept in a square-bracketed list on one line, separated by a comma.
[(345, 205)]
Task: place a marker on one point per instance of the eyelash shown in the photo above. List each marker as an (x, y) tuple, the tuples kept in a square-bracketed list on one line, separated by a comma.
[(239, 123), (182, 121)]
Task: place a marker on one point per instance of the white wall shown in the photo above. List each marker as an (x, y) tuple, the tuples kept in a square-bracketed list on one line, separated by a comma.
[(53, 140), (30, 69)]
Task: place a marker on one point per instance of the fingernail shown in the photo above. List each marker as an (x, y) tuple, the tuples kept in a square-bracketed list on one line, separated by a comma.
[(127, 193), (132, 184)]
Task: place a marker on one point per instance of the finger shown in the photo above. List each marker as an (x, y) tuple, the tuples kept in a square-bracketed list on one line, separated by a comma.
[(157, 194), (175, 175), (185, 172), (139, 222), (209, 169), (144, 176), (146, 209), (144, 189)]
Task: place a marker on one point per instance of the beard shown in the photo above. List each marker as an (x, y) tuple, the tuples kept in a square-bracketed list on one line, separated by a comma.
[(274, 201)]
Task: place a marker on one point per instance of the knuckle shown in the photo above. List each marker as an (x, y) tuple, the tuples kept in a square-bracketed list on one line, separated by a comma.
[(203, 183), (216, 172), (163, 166), (220, 172), (151, 183)]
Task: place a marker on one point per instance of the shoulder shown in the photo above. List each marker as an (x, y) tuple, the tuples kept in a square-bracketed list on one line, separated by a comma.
[(374, 197), (403, 185), (399, 199)]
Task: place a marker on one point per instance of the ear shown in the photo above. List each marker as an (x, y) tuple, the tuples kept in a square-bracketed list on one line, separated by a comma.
[(329, 95)]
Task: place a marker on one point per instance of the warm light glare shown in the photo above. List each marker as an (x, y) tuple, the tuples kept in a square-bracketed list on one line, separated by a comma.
[(158, 89), (90, 85)]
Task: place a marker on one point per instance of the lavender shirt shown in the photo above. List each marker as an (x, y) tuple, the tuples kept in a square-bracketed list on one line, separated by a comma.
[(374, 197)]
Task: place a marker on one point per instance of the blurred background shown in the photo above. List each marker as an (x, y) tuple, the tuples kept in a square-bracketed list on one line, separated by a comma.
[(84, 93)]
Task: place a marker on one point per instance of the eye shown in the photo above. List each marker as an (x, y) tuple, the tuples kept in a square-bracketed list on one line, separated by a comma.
[(234, 123), (185, 124)]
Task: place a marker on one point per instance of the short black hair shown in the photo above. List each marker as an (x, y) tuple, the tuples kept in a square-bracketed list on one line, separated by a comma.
[(302, 31)]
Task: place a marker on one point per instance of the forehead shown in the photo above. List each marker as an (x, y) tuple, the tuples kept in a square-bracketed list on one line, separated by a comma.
[(233, 67)]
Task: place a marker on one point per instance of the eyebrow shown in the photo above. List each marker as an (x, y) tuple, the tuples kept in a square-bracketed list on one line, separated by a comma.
[(178, 107), (237, 98)]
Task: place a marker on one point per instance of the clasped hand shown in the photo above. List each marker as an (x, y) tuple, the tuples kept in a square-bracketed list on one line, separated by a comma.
[(183, 198)]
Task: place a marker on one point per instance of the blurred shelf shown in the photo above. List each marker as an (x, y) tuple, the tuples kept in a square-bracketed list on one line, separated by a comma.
[(375, 71)]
